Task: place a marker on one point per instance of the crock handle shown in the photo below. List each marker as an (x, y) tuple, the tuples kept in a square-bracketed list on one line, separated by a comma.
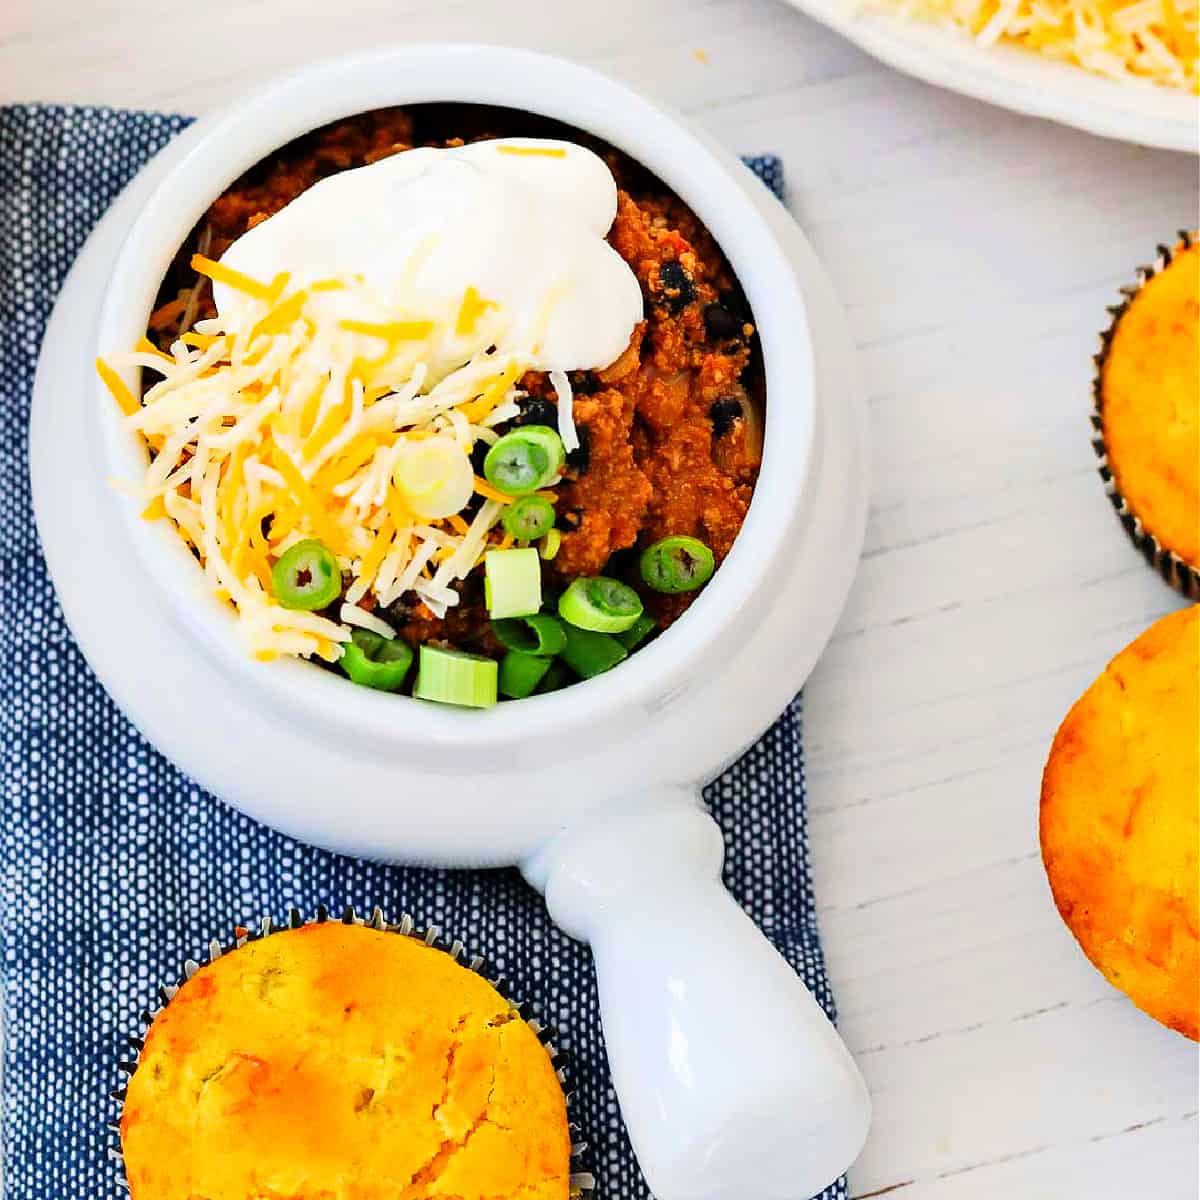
[(731, 1080)]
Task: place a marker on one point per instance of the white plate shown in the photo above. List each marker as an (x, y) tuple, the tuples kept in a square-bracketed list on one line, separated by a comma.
[(1017, 79)]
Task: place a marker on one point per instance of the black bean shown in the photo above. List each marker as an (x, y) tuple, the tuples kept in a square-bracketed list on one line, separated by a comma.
[(622, 563), (736, 303), (723, 413), (535, 410), (478, 454), (720, 324), (580, 459), (678, 288), (399, 612), (584, 383)]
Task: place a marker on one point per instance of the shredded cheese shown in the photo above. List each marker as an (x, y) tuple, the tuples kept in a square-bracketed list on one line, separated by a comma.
[(1154, 40), (566, 413), (391, 331), (532, 151), (486, 490), (270, 426), (473, 307), (117, 387), (351, 614), (220, 273)]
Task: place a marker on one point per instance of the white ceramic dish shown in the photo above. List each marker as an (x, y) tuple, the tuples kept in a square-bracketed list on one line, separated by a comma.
[(730, 1079), (1017, 79)]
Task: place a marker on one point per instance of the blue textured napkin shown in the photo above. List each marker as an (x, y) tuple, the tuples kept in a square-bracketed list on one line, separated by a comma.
[(117, 867)]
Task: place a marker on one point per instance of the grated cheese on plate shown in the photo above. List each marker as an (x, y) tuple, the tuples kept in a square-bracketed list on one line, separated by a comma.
[(1154, 40)]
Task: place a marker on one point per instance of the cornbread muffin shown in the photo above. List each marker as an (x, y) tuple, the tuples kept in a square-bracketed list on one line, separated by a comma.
[(338, 1061), (1119, 832), (1148, 409)]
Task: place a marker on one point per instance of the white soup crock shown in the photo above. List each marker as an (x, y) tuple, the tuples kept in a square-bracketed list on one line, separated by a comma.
[(731, 1080)]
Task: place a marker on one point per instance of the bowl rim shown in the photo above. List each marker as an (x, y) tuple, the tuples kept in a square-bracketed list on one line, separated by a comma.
[(257, 125)]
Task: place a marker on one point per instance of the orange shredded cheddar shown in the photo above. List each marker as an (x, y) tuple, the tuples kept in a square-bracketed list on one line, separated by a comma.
[(324, 433), (229, 493), (247, 555), (283, 522), (378, 551), (322, 525), (458, 524), (398, 510), (493, 395), (230, 277), (473, 307), (281, 317), (356, 455), (533, 151), (390, 331), (485, 489), (309, 410), (126, 400), (154, 510), (329, 651), (146, 346), (200, 341)]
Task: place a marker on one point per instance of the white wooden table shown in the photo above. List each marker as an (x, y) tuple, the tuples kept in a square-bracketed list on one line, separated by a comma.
[(975, 252)]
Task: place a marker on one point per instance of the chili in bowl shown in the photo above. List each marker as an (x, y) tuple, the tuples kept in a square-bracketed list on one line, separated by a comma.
[(454, 400)]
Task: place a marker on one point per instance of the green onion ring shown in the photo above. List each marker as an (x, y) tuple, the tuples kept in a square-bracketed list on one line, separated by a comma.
[(600, 604)]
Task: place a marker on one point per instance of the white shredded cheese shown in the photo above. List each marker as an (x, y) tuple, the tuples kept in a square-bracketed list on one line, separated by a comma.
[(351, 614), (566, 415)]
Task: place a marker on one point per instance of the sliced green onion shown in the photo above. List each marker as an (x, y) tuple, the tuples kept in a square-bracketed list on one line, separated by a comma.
[(524, 460), (637, 633), (434, 476), (550, 544), (553, 679), (528, 518), (375, 661), (455, 677), (512, 582), (588, 653), (539, 634), (306, 577), (520, 673), (677, 564), (601, 604)]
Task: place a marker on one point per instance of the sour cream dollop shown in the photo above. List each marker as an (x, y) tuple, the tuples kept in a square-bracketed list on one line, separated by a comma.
[(521, 222)]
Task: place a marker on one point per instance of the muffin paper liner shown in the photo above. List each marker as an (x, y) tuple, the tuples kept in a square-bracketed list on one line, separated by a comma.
[(581, 1181), (1179, 573)]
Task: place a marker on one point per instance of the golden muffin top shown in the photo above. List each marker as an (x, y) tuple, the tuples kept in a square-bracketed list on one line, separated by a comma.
[(1150, 404), (1119, 820), (337, 1062)]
